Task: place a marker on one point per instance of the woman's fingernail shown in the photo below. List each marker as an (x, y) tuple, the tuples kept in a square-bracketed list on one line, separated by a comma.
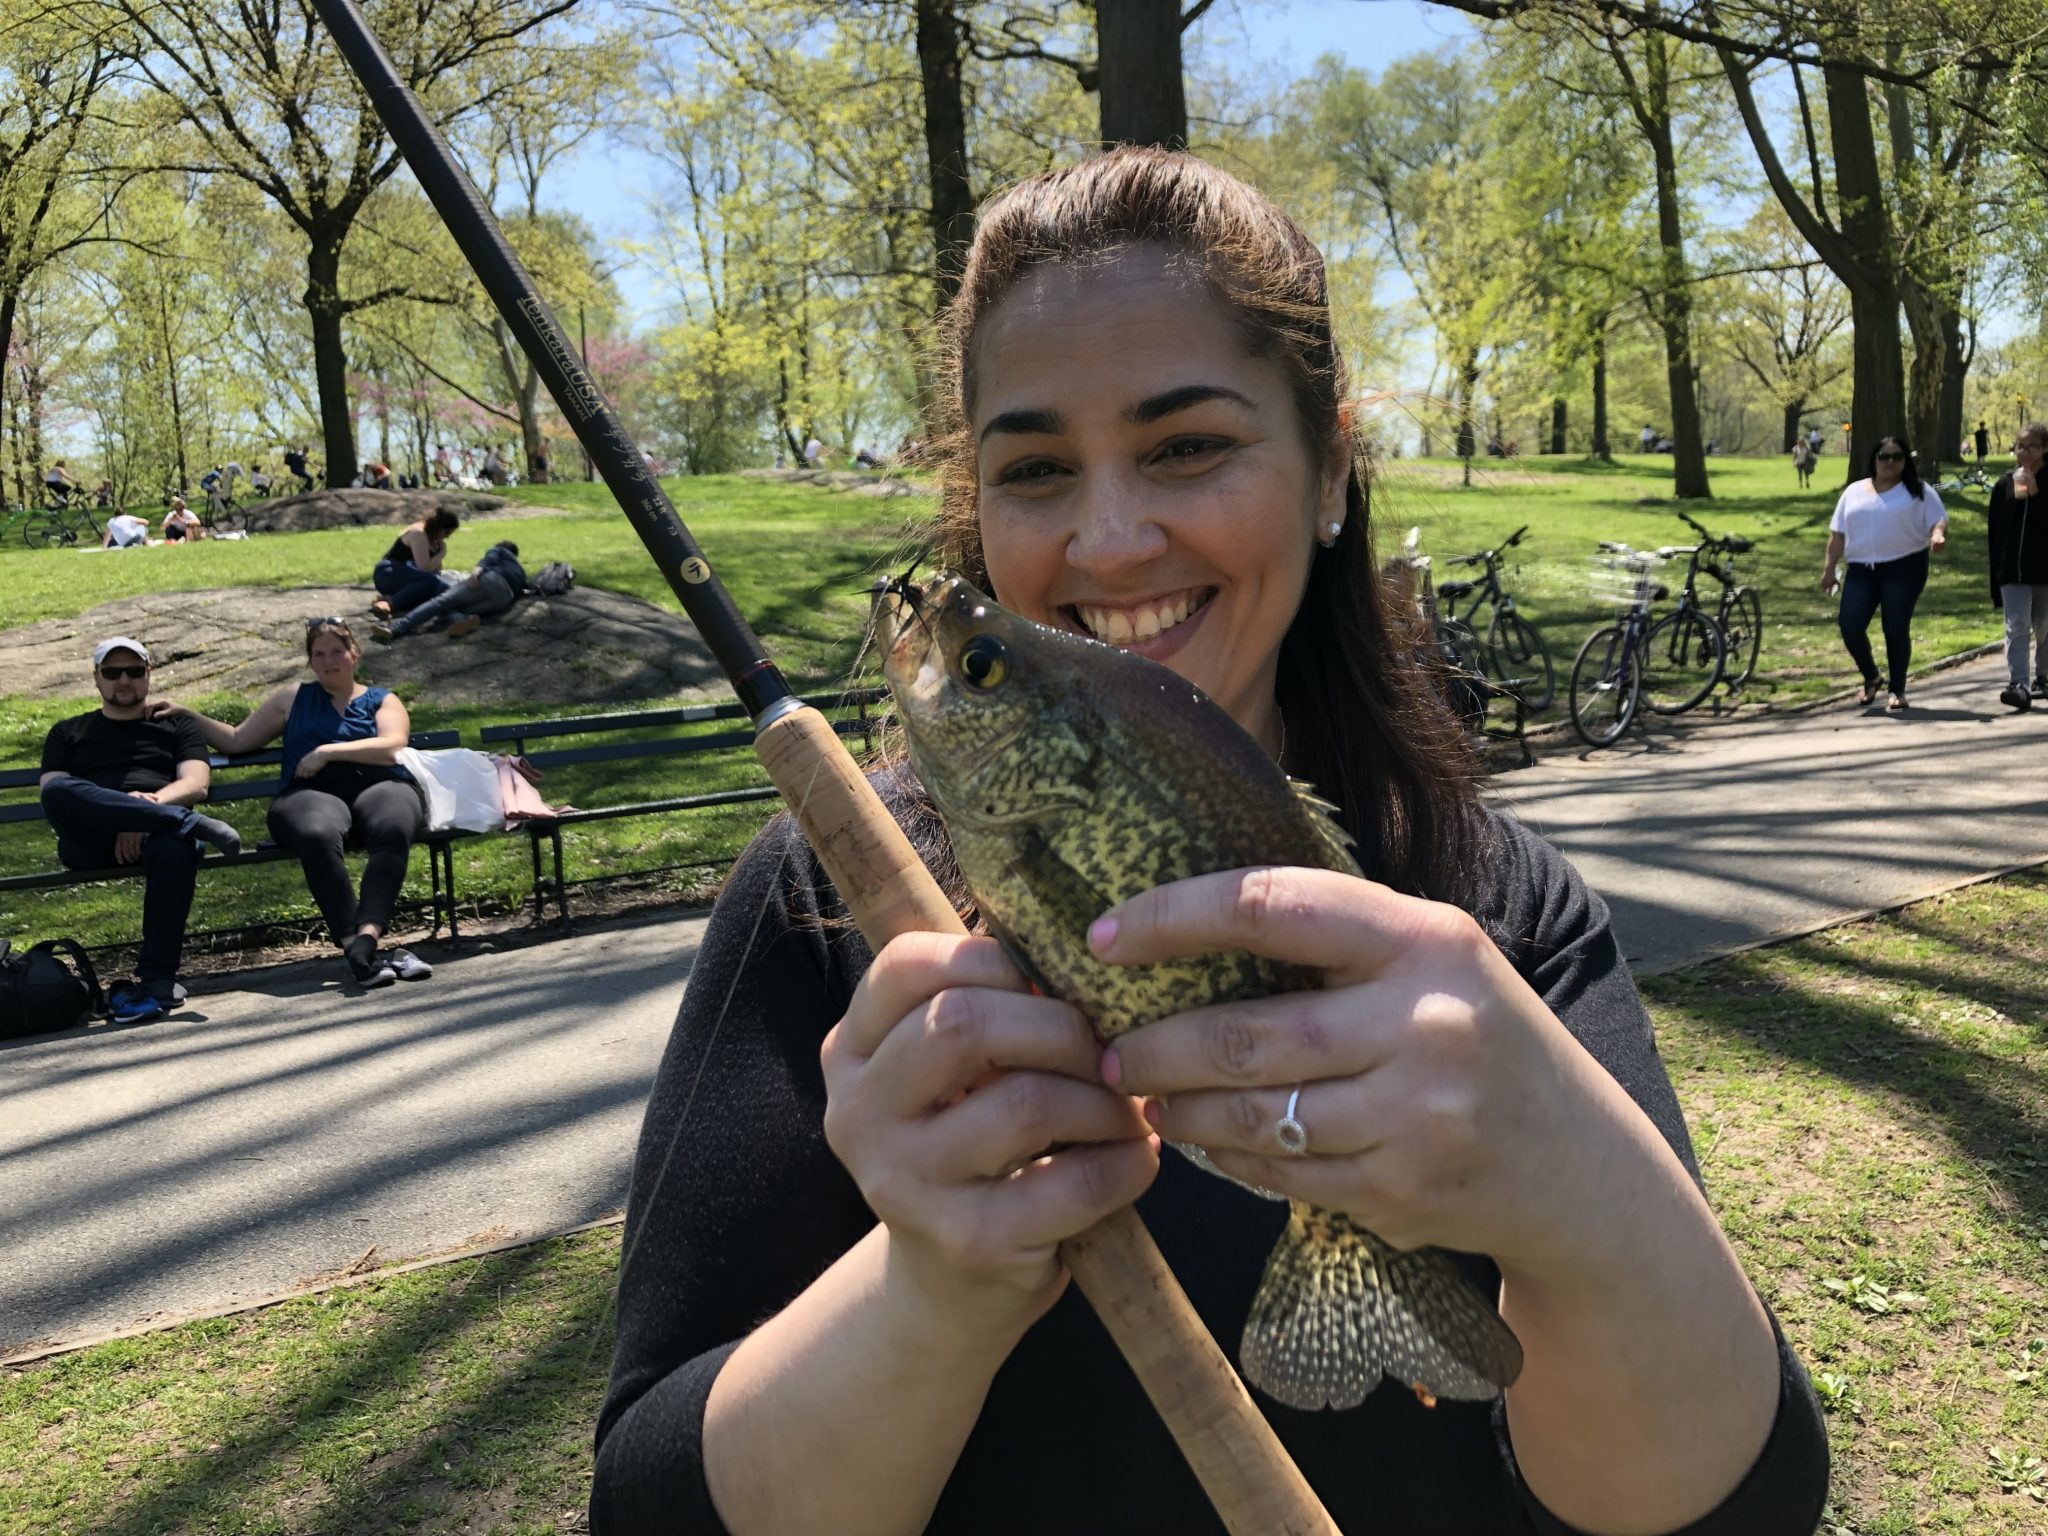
[(1112, 1067), (1152, 1113), (1101, 933)]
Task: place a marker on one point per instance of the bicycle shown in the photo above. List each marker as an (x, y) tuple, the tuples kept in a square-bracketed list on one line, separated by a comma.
[(1467, 675), (1971, 479), (60, 523), (1740, 612), (1612, 674), (1513, 645)]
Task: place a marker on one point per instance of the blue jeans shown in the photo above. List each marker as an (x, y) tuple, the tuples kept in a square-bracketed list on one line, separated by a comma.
[(405, 586), (1891, 585), (481, 595), (85, 817)]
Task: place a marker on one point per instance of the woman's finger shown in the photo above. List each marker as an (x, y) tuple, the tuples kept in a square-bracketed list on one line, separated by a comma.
[(1345, 924), (1271, 1041), (1066, 1192), (1016, 1117), (913, 967), (965, 1033), (1333, 1113)]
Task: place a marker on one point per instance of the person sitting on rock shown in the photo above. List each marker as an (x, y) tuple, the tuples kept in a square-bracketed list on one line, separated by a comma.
[(491, 588), (410, 571), (118, 787)]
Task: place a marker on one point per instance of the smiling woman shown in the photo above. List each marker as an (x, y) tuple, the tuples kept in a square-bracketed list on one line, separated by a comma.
[(841, 1306)]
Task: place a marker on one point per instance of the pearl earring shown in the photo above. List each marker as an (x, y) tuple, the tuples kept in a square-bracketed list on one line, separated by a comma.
[(1330, 532)]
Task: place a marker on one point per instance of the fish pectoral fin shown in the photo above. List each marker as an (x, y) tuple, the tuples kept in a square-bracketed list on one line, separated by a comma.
[(1201, 1160), (1338, 845), (1339, 1309), (1019, 957), (1055, 884)]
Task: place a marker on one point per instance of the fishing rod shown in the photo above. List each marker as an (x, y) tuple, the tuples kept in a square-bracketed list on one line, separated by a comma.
[(1240, 1463)]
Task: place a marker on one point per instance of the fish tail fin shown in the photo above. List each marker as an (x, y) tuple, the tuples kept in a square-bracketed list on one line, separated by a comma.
[(1339, 1308)]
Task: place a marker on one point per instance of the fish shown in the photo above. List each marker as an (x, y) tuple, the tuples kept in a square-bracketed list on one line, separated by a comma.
[(1072, 775)]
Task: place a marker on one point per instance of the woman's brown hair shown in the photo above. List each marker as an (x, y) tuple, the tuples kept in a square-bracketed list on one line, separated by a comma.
[(1366, 722), (315, 628)]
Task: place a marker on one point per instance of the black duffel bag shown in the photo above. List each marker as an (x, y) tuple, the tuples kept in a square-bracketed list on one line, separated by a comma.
[(40, 994)]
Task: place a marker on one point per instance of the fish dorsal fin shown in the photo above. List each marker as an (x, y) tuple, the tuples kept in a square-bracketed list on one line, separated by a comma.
[(1322, 815)]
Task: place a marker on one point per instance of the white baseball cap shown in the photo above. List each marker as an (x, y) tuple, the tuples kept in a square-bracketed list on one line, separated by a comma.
[(120, 643)]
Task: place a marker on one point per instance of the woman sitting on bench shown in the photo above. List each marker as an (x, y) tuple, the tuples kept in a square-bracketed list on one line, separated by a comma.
[(340, 784)]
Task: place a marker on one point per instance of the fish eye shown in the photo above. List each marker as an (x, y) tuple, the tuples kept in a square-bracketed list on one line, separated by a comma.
[(982, 661)]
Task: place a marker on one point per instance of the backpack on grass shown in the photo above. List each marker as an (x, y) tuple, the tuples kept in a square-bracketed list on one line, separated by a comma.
[(40, 994), (554, 578)]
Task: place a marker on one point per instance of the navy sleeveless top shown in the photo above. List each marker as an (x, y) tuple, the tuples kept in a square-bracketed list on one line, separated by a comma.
[(315, 722)]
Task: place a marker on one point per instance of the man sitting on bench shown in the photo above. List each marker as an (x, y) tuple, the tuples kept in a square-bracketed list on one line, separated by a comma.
[(118, 788)]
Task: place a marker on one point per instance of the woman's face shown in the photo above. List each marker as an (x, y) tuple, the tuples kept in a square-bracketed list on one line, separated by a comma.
[(1890, 466), (333, 660), (1143, 478), (2028, 451)]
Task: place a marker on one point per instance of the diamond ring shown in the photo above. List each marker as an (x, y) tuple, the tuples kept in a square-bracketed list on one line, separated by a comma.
[(1290, 1132)]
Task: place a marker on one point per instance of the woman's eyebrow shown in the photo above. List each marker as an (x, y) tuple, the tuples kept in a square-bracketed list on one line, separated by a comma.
[(1169, 401), (1048, 423)]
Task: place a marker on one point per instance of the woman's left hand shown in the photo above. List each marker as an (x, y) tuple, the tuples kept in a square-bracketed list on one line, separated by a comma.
[(311, 763), (1938, 538), (1444, 1103)]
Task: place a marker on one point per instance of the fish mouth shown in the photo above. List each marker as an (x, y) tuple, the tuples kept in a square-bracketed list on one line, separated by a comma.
[(1155, 625)]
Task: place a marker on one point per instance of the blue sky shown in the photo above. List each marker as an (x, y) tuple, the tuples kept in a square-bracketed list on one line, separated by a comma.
[(609, 183)]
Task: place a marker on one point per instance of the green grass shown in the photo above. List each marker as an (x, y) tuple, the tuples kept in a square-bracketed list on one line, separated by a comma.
[(797, 558), (1570, 507), (1870, 1107)]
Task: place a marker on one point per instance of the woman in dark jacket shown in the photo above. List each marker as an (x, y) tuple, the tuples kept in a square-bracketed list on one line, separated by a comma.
[(2018, 529)]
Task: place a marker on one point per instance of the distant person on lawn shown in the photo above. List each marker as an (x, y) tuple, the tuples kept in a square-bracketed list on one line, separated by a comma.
[(119, 788), (2017, 529), (491, 588), (410, 571), (341, 785), (1886, 526), (1802, 462), (182, 523), (295, 461), (1982, 440), (125, 531)]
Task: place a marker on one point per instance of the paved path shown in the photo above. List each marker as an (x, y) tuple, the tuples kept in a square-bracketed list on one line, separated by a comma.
[(1709, 837), (272, 1133)]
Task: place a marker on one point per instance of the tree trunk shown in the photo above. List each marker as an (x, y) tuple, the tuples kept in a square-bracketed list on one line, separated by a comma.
[(945, 144), (1795, 411), (1557, 420), (1674, 303), (1955, 369), (1144, 100), (330, 360), (1468, 436), (1880, 384), (1924, 377), (1600, 448)]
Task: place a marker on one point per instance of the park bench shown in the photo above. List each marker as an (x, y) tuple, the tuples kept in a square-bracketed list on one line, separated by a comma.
[(692, 740), (242, 785)]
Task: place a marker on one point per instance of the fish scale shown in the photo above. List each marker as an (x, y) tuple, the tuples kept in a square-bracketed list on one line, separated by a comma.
[(1073, 775)]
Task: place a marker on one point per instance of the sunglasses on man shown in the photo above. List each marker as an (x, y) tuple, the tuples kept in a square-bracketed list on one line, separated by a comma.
[(131, 673)]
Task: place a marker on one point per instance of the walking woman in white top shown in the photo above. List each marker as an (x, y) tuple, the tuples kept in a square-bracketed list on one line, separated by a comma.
[(1885, 527)]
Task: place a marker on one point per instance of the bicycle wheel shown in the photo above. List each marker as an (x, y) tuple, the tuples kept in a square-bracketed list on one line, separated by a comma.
[(1520, 653), (229, 519), (1682, 658), (42, 529), (1742, 621), (1606, 683), (1465, 671)]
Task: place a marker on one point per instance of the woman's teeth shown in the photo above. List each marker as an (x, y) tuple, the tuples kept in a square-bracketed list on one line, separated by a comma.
[(1120, 626)]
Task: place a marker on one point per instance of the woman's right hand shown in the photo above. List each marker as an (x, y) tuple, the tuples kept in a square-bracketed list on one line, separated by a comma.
[(947, 1082)]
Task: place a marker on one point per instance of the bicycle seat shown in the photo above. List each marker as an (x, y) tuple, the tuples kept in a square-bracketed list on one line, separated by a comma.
[(1659, 592), (1613, 548), (1738, 546), (1671, 551), (1454, 588)]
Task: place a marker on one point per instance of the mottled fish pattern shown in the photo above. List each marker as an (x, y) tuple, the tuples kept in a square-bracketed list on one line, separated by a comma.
[(1072, 775)]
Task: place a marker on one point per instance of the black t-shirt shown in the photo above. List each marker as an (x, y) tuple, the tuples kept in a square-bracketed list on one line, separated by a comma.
[(753, 1206), (123, 754)]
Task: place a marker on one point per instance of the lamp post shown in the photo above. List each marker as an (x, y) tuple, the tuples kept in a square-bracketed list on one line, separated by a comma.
[(2020, 403)]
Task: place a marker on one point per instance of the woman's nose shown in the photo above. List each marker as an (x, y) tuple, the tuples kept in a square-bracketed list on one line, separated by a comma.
[(1117, 526)]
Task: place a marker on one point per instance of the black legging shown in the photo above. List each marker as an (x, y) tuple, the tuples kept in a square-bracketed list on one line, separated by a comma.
[(341, 804), (1894, 586)]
